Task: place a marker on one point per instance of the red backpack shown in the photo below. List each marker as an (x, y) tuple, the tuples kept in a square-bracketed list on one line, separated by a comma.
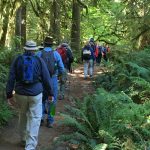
[(63, 53)]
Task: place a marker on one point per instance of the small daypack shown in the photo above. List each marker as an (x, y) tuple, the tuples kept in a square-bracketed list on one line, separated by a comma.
[(48, 57), (69, 55), (86, 54), (63, 53), (25, 69)]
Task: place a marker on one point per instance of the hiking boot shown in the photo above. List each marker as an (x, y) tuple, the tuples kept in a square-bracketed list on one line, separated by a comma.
[(22, 143), (91, 76), (50, 125), (85, 78)]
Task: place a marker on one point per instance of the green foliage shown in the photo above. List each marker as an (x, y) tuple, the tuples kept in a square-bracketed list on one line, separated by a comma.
[(130, 73), (5, 113), (109, 119), (6, 56)]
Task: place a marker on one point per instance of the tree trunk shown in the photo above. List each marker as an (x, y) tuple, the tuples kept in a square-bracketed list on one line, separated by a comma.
[(20, 29), (75, 29), (23, 25), (4, 28), (55, 21)]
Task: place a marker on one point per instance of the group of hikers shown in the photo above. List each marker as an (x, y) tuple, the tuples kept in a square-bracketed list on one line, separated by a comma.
[(35, 77), (93, 52)]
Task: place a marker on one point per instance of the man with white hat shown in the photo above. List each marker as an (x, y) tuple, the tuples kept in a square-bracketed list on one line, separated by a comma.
[(28, 75)]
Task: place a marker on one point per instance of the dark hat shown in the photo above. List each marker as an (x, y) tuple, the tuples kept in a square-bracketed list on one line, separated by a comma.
[(91, 39), (48, 40)]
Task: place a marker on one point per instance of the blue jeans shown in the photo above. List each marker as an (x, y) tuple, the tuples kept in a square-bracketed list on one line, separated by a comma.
[(88, 67), (46, 104)]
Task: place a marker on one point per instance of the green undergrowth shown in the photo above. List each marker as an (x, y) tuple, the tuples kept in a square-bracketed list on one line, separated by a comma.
[(107, 119), (116, 116), (6, 57)]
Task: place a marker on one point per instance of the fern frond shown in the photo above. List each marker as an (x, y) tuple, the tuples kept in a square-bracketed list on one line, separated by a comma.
[(72, 122)]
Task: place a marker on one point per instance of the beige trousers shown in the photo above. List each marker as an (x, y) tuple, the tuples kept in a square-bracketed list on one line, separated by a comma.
[(30, 113)]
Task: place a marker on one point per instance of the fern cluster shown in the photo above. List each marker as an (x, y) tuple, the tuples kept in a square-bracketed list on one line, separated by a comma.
[(5, 113), (110, 119), (131, 75), (107, 120), (6, 56)]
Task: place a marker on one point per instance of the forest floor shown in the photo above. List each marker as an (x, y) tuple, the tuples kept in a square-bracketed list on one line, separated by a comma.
[(77, 87)]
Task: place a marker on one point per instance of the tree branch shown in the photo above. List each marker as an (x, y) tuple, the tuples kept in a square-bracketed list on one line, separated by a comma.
[(147, 28), (83, 5), (34, 9)]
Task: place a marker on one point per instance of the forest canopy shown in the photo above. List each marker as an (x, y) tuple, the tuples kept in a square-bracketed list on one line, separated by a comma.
[(116, 22)]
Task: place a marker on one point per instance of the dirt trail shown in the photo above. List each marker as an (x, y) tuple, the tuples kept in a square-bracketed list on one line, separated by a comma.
[(77, 86)]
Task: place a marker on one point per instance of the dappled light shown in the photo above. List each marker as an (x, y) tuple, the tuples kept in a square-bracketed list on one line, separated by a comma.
[(85, 65)]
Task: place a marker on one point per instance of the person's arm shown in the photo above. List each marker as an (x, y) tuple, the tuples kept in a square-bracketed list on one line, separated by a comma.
[(11, 84), (82, 54), (70, 55), (92, 53), (60, 64), (11, 80)]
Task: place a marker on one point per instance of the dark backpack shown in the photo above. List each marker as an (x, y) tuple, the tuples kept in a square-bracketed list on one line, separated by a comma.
[(69, 55), (63, 53), (25, 69), (86, 54), (48, 57)]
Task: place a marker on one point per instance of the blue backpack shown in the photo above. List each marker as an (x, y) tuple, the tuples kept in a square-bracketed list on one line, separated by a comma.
[(25, 67)]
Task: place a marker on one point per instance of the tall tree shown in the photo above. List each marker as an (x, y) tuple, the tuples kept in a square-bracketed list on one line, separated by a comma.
[(5, 22), (75, 29), (55, 20)]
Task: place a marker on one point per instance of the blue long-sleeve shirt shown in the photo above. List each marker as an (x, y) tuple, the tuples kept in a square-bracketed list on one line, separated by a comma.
[(57, 57), (29, 89)]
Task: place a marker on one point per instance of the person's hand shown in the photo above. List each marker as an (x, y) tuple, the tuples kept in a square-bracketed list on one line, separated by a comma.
[(11, 102), (60, 78), (50, 98)]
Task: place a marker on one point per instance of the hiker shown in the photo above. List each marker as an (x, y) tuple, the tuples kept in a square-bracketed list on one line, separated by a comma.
[(56, 68), (98, 54), (28, 74), (105, 50), (67, 57), (92, 44), (88, 58)]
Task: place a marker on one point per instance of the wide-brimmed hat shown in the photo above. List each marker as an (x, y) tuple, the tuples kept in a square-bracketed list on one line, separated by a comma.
[(30, 45), (48, 40), (64, 45)]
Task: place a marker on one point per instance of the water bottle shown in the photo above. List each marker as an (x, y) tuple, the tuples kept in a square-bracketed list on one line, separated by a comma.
[(52, 108)]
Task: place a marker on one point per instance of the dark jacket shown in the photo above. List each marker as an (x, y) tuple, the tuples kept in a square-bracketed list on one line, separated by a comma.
[(29, 89), (89, 48)]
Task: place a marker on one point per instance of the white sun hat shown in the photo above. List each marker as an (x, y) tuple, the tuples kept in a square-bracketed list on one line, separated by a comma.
[(30, 45)]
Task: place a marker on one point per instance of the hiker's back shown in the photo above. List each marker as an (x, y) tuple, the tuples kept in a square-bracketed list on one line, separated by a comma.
[(48, 57), (28, 69), (87, 53), (63, 53)]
